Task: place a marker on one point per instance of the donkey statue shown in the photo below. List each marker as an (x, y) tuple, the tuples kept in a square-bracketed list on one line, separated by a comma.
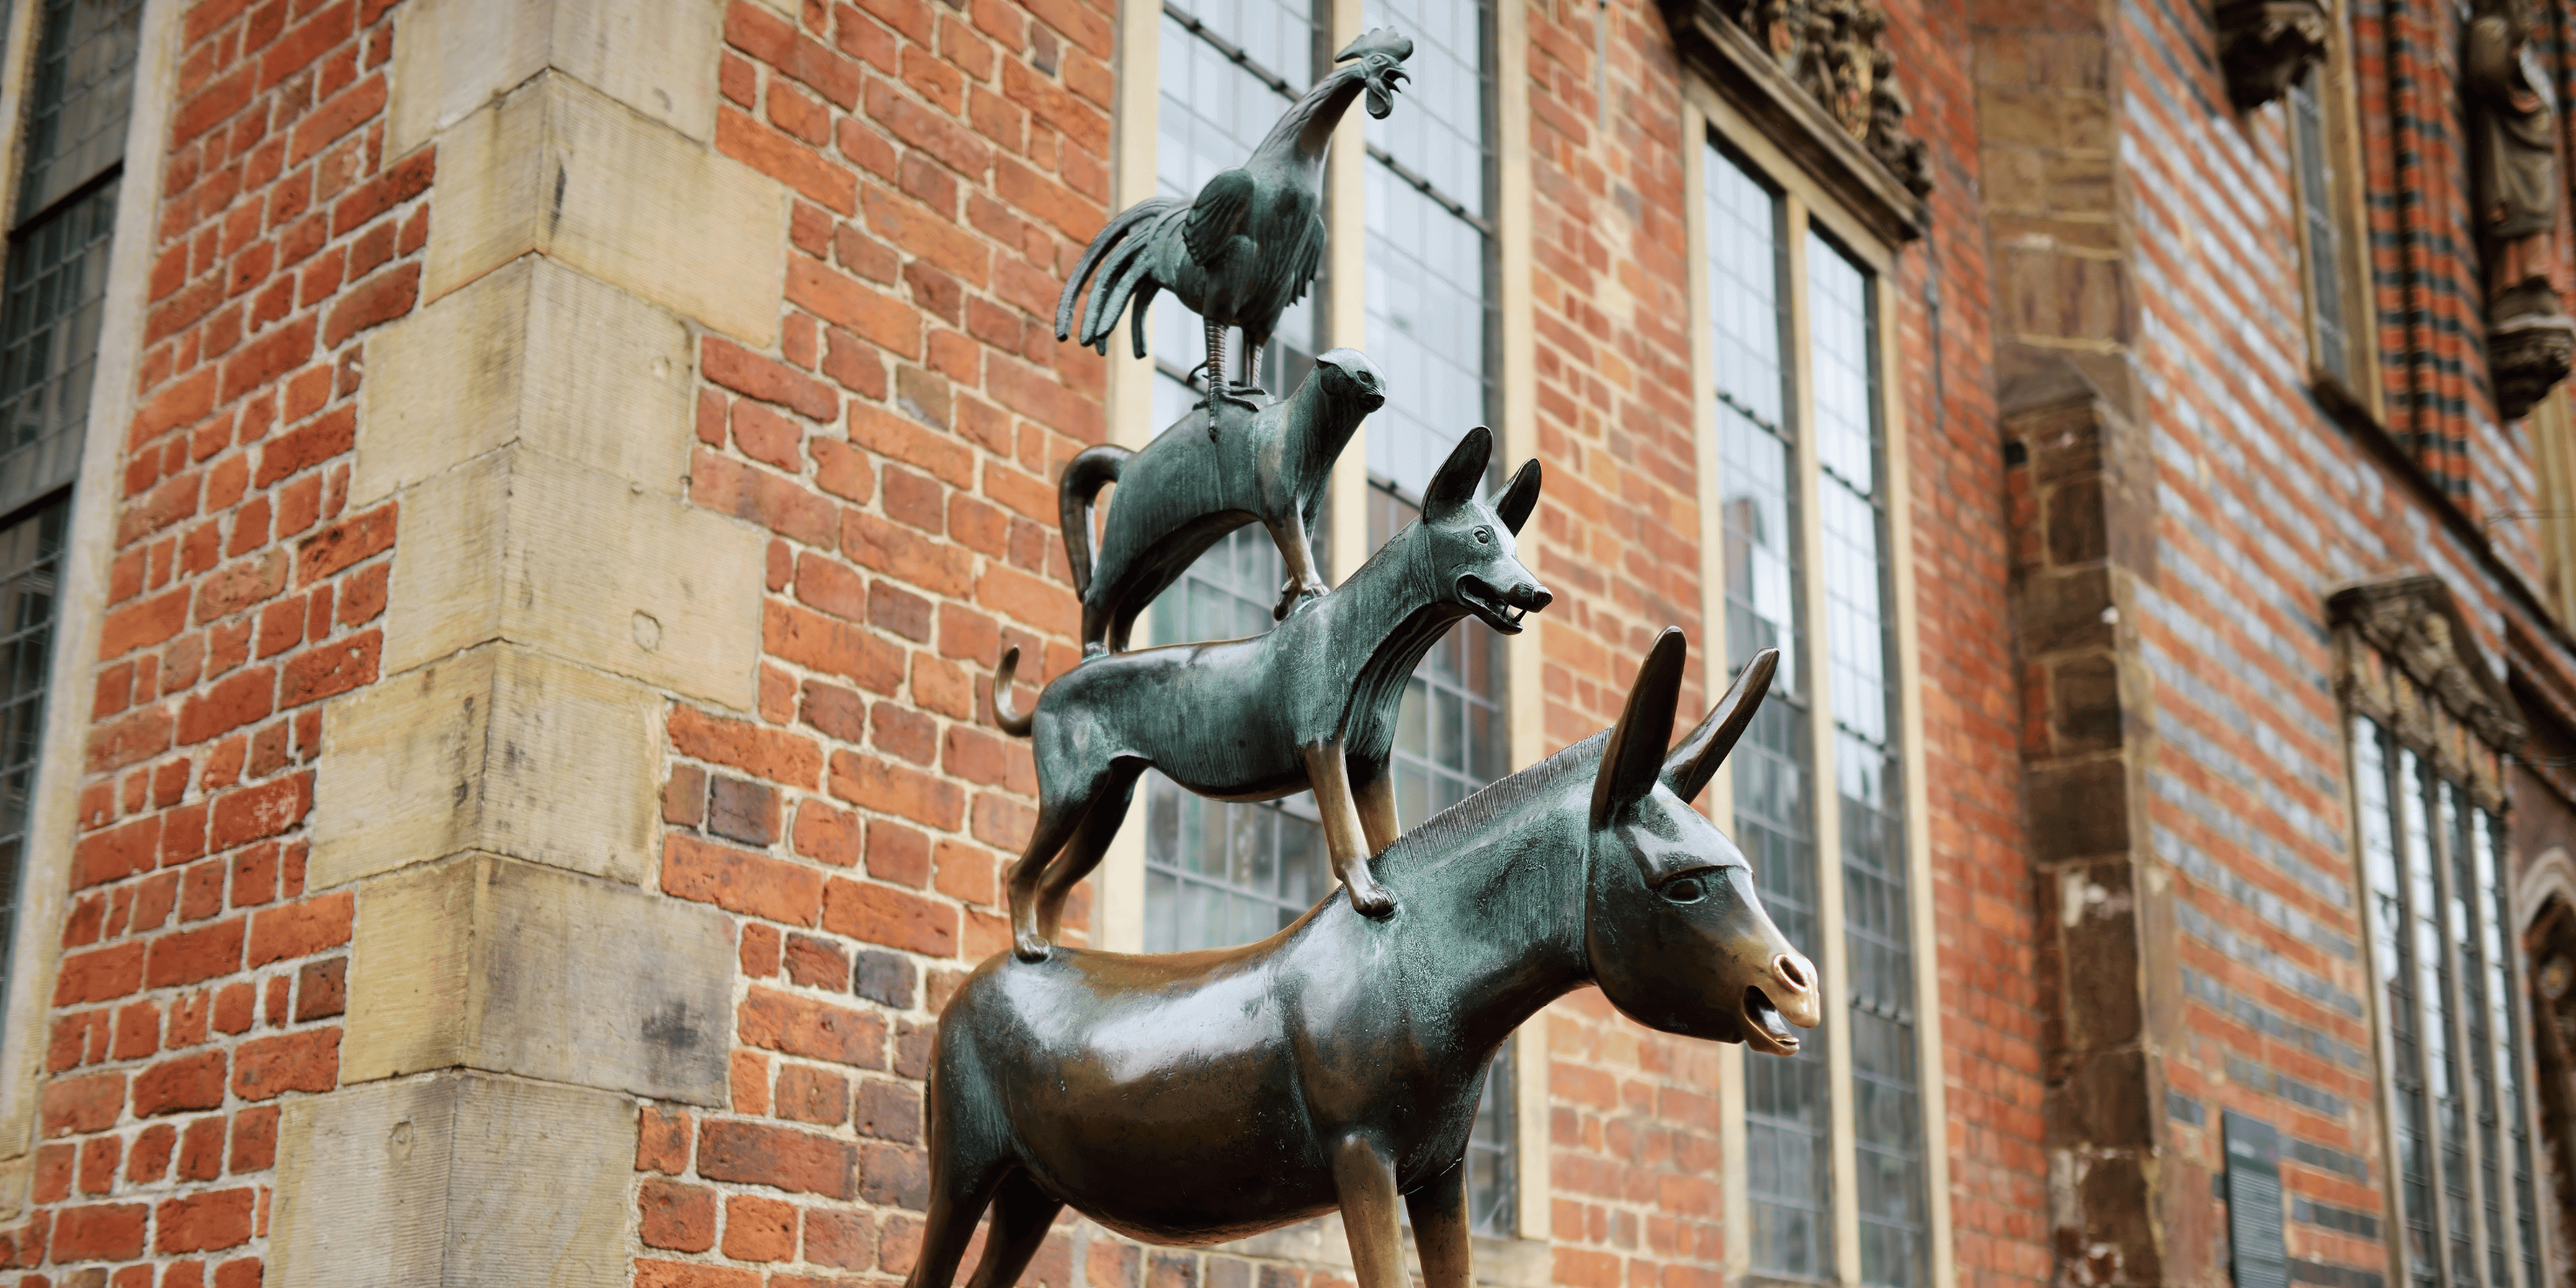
[(1196, 1097), (1310, 704)]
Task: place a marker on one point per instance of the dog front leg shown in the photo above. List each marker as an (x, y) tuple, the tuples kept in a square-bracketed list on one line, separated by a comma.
[(1375, 795), (1344, 839), (1364, 1182), (1298, 552)]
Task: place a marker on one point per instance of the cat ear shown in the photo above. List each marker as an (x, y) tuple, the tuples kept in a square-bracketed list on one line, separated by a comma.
[(1455, 484), (1520, 497)]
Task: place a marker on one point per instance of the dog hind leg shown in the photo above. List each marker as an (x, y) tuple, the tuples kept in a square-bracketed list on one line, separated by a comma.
[(1090, 843), (1059, 816)]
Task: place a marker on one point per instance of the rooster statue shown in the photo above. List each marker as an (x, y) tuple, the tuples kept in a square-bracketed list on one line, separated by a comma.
[(1248, 245)]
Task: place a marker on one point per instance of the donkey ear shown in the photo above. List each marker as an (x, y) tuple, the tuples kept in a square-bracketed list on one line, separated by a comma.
[(1635, 756), (1455, 484), (1690, 766), (1520, 497)]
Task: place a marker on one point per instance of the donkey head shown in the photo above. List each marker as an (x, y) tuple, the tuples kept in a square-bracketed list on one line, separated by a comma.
[(1470, 540), (1676, 935)]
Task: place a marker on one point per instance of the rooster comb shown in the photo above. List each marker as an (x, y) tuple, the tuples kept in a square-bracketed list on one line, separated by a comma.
[(1383, 40)]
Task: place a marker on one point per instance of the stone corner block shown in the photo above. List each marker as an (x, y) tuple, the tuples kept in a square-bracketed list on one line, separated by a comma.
[(487, 963), (581, 564), (657, 57), (496, 749), (532, 353), (456, 1179), (558, 168)]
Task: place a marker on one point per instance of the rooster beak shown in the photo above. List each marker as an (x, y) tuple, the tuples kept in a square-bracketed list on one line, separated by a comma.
[(1383, 82)]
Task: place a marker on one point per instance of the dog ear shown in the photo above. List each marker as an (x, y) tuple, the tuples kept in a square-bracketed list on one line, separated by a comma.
[(1520, 497), (1455, 484)]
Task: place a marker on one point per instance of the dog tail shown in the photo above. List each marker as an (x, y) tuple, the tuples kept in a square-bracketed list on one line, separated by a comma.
[(1091, 469), (1011, 721)]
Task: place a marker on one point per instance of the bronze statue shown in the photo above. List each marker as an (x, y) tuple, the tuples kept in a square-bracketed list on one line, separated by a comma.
[(1181, 494), (1309, 704), (1196, 1097), (2530, 338), (1248, 245)]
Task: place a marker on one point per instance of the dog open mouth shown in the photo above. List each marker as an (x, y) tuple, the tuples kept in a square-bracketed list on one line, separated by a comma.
[(1765, 1029), (1489, 604)]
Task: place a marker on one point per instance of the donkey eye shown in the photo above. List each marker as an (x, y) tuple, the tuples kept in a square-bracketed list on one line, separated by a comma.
[(1686, 890), (1484, 536)]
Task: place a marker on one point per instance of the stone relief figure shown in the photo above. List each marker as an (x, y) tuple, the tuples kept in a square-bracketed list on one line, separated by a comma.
[(2266, 46), (2530, 338), (1837, 49)]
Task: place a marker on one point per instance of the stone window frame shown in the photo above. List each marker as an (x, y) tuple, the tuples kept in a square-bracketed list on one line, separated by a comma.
[(1817, 201), (2408, 670), (1118, 903), (2333, 86), (53, 824)]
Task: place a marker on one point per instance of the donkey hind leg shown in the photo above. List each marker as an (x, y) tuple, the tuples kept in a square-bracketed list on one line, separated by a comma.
[(1059, 816), (1021, 1214), (959, 1189), (1090, 843)]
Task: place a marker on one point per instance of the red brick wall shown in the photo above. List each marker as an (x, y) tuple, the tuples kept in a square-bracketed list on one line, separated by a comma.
[(198, 982)]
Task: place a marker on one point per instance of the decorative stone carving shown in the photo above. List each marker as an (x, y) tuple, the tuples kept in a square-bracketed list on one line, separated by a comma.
[(2404, 656), (2514, 179), (1837, 50), (2266, 46)]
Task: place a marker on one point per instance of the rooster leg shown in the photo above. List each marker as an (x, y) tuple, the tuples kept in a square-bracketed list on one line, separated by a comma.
[(1215, 360)]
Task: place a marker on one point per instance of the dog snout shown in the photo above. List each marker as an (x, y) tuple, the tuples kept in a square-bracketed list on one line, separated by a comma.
[(1531, 596)]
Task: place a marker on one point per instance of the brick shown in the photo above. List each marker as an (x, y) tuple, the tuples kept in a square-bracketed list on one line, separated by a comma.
[(204, 1222), (79, 1106), (758, 1154), (301, 929), (344, 544), (172, 1086), (766, 754), (303, 448), (307, 1060), (812, 640), (738, 881), (680, 1218), (751, 375), (250, 813), (99, 1232), (782, 157), (800, 1026), (846, 302), (895, 918), (192, 956), (873, 783)]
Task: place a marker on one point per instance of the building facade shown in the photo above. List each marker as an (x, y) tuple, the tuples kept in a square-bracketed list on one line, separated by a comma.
[(510, 510)]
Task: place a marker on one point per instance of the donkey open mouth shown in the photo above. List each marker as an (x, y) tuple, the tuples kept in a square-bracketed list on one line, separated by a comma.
[(1765, 1029)]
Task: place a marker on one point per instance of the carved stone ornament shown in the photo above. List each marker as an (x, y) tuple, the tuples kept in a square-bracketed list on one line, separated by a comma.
[(2404, 656), (1837, 50), (2266, 46), (2527, 356)]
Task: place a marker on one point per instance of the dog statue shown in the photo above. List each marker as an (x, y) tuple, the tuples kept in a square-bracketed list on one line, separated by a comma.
[(1181, 494), (1311, 704)]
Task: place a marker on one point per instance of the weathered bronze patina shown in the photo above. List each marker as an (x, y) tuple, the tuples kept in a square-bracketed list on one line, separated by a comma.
[(1248, 245), (1195, 1097), (1181, 494), (1310, 704)]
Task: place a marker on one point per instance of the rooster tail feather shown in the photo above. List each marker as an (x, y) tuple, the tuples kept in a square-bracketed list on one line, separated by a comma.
[(1115, 232), (1135, 273), (1100, 317), (1136, 319)]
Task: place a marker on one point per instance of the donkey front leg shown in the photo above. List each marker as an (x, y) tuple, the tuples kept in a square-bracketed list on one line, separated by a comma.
[(1439, 1211), (1344, 839), (1364, 1182), (1297, 550)]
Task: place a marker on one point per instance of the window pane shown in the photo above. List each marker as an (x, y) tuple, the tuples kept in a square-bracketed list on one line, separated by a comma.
[(2428, 833), (2316, 211), (1877, 927), (78, 99), (1438, 127), (2466, 925), (2497, 942), (2382, 820), (50, 303), (1426, 329), (30, 574)]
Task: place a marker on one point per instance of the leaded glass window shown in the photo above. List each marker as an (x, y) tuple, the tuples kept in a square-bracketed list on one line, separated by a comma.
[(70, 152), (1835, 617), (2445, 975), (1219, 873)]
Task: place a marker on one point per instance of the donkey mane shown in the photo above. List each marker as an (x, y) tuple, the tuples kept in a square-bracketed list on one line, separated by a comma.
[(1437, 838)]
